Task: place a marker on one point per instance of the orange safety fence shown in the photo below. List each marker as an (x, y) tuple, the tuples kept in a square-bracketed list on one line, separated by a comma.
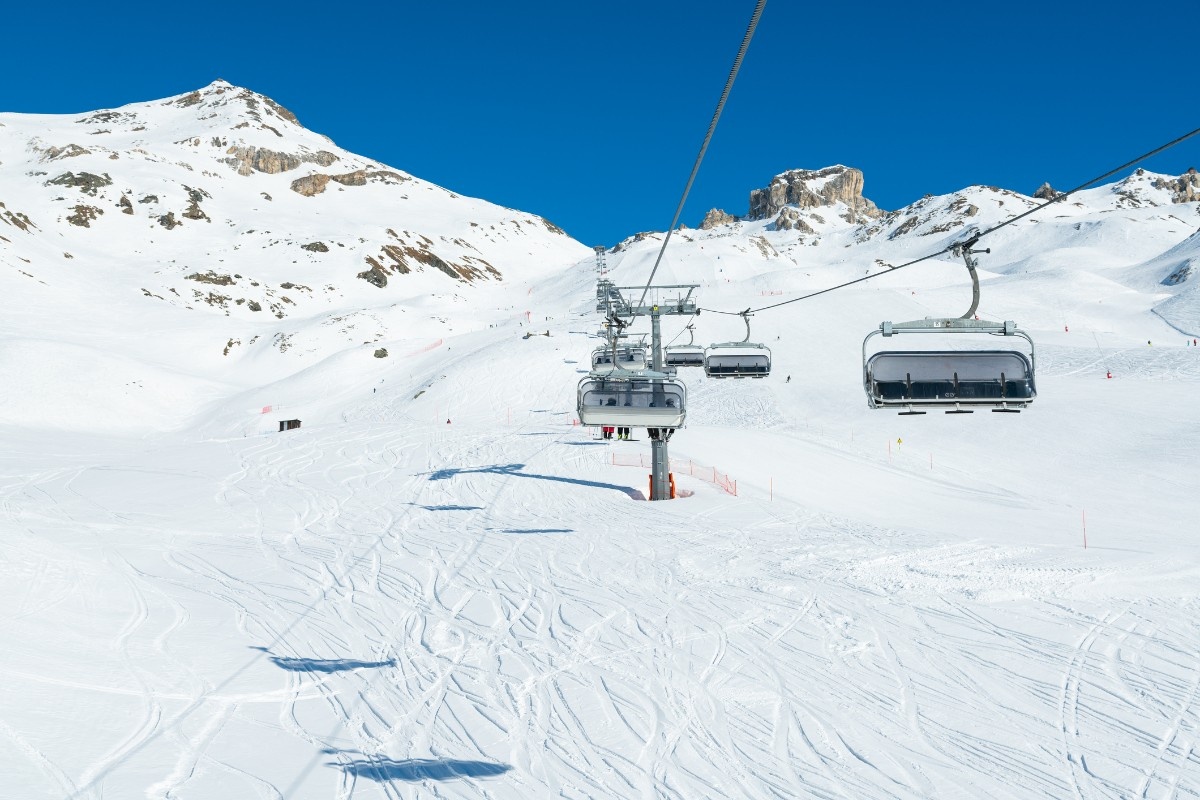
[(426, 348), (681, 466)]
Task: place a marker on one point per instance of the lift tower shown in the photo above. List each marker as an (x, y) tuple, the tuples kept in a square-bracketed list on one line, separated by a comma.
[(681, 305)]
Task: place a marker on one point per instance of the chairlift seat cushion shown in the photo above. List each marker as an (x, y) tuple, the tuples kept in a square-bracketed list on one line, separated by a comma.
[(940, 377)]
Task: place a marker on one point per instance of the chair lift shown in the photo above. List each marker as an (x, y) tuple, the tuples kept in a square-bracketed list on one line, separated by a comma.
[(744, 359), (957, 380), (623, 398), (628, 357), (685, 355)]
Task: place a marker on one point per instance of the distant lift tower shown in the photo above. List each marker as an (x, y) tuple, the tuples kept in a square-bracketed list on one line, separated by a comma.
[(601, 266), (682, 305)]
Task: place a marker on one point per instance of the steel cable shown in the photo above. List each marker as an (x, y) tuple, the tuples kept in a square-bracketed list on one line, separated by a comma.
[(712, 126)]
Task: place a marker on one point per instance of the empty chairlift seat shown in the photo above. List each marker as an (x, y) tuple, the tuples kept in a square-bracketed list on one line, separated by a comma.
[(1000, 378), (632, 403), (737, 360), (632, 358), (684, 356)]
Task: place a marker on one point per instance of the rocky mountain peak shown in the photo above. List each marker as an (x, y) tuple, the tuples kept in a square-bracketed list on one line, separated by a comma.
[(1046, 192), (222, 187), (222, 95), (716, 217), (808, 189)]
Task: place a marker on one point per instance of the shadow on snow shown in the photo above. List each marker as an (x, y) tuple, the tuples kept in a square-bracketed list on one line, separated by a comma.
[(420, 769), (449, 508), (514, 470), (327, 664), (536, 530)]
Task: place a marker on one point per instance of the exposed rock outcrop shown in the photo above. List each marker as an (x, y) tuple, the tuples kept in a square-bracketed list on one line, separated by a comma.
[(125, 206), (316, 247), (1185, 188), (193, 211), (1046, 192), (310, 185), (403, 258), (248, 160), (68, 151), (716, 217), (212, 277), (84, 215), (85, 182), (814, 189), (790, 219), (16, 219), (315, 184), (376, 275)]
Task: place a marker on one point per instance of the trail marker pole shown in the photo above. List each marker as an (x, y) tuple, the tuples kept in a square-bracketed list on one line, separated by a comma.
[(1084, 529), (772, 489)]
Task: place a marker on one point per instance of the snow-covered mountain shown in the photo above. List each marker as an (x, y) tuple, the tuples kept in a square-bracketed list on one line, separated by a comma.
[(222, 181), (812, 228), (441, 586), (212, 238)]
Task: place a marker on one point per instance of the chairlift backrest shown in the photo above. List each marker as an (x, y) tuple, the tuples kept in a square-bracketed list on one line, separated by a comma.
[(627, 357), (912, 378), (684, 356), (737, 360), (631, 403)]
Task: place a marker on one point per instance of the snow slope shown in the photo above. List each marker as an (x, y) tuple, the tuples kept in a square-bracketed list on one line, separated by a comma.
[(186, 215), (440, 586)]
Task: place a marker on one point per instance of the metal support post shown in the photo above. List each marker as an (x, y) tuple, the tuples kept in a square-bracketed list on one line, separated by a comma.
[(660, 462)]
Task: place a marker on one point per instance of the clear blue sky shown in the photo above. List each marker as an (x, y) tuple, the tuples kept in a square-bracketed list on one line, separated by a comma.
[(591, 113)]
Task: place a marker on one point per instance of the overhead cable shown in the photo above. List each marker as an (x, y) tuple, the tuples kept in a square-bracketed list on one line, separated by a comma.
[(712, 126)]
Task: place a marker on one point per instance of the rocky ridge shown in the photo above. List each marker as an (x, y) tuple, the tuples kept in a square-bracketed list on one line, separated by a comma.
[(224, 181), (793, 198)]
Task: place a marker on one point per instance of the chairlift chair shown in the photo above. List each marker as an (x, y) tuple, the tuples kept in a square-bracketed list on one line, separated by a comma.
[(957, 380), (684, 355), (629, 358), (744, 359), (632, 400)]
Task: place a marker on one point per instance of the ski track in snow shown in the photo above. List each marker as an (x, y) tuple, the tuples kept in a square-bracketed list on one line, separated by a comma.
[(397, 607), (737, 666)]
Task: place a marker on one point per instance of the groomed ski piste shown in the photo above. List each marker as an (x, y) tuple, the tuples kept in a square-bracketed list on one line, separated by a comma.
[(440, 586)]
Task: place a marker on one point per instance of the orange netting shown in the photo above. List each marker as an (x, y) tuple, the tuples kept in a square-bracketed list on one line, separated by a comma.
[(426, 348), (681, 466)]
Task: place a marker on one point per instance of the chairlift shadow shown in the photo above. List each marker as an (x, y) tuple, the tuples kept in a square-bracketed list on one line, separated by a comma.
[(448, 508), (327, 665), (524, 531), (514, 470), (414, 770)]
